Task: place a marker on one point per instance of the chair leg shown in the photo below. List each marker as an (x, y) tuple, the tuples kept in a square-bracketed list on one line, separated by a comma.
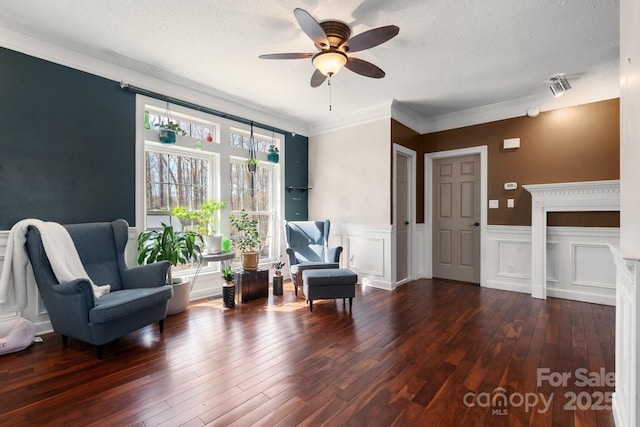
[(350, 303), (296, 287), (65, 340), (311, 305), (100, 351), (161, 324)]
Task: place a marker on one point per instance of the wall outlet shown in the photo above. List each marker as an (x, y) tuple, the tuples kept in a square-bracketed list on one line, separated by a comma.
[(494, 204)]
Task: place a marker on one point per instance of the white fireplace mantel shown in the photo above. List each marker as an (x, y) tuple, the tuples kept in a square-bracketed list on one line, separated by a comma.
[(563, 197)]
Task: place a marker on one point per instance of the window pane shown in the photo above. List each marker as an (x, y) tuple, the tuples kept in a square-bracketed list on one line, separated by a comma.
[(175, 180), (259, 206)]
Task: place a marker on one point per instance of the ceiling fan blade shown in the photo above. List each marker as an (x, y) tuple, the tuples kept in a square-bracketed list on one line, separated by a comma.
[(286, 56), (364, 68), (311, 27), (372, 38), (317, 78)]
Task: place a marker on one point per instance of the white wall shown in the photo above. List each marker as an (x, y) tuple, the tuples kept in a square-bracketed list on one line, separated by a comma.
[(629, 128), (626, 410), (350, 173)]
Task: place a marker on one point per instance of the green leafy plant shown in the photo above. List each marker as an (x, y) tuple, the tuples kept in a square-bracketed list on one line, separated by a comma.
[(227, 274), (252, 162), (273, 149), (277, 265), (171, 125), (204, 220), (177, 247), (248, 238)]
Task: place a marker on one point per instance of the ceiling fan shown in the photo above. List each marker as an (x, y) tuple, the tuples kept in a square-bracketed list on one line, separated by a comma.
[(333, 41)]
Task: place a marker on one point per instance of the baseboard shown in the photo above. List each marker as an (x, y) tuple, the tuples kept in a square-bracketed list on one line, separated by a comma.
[(505, 286), (582, 296)]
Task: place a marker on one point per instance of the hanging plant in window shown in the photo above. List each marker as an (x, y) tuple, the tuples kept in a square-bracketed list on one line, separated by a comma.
[(252, 161), (169, 129), (274, 153)]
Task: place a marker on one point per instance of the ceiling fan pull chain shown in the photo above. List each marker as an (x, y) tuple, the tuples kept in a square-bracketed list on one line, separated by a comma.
[(330, 98)]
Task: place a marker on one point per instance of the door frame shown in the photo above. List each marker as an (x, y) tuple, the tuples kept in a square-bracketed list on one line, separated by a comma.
[(482, 150), (411, 212)]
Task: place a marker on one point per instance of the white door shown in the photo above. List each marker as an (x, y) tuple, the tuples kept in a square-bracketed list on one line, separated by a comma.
[(456, 218)]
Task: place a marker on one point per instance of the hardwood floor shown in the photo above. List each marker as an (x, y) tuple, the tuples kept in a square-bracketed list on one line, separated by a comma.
[(409, 357)]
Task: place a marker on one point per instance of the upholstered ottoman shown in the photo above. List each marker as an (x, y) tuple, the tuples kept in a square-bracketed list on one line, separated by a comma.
[(329, 284)]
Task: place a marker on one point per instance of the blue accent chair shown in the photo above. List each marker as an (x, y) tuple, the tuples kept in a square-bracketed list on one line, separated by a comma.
[(307, 248), (138, 295)]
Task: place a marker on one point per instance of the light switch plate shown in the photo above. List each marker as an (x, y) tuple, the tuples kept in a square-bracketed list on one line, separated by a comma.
[(510, 203), (494, 204)]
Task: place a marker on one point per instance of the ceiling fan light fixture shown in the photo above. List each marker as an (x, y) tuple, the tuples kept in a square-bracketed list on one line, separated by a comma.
[(329, 62)]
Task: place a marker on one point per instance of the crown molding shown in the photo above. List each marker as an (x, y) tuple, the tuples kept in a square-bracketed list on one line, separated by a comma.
[(598, 91), (359, 117), (119, 68), (406, 116)]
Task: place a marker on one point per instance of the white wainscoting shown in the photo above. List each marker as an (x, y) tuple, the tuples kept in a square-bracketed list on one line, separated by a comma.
[(35, 310), (579, 263), (368, 251), (625, 404)]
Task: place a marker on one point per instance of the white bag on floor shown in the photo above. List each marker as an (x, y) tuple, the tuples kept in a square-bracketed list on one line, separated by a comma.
[(16, 335)]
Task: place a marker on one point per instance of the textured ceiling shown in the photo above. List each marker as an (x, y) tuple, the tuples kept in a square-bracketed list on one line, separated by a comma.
[(449, 56)]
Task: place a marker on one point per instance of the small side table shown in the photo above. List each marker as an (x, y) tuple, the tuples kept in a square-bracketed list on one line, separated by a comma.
[(224, 258), (251, 285)]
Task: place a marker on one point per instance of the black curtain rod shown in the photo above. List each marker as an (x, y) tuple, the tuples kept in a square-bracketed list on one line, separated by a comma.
[(187, 104)]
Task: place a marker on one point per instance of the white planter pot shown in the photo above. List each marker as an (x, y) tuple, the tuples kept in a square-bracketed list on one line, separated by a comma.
[(213, 244), (181, 290)]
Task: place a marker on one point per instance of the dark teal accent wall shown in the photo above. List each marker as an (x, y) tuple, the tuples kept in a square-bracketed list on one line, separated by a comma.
[(67, 144), (296, 174)]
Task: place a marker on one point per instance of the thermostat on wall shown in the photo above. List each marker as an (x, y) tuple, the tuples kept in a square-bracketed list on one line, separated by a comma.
[(510, 185)]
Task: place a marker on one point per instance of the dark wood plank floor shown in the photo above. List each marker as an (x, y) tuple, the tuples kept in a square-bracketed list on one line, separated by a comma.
[(432, 353)]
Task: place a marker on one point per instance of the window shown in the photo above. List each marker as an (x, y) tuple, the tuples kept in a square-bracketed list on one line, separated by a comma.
[(259, 206), (175, 180), (239, 138), (198, 167)]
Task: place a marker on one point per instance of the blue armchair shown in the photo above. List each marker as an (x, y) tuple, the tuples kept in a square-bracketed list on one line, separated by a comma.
[(307, 248), (138, 296)]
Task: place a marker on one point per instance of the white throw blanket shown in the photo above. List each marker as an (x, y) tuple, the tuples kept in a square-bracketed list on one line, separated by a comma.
[(63, 257)]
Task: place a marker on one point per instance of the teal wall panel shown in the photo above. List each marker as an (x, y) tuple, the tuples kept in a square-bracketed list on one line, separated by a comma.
[(67, 150), (296, 174)]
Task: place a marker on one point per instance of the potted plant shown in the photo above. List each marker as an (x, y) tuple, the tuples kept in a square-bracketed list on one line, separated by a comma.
[(168, 131), (277, 276), (177, 247), (274, 154), (228, 289), (204, 221), (248, 240), (252, 164)]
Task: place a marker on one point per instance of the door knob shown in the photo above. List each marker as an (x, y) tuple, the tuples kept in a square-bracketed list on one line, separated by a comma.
[(475, 224), (406, 223)]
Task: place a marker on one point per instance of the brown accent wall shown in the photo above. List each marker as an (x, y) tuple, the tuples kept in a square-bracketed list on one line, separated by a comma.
[(580, 143)]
